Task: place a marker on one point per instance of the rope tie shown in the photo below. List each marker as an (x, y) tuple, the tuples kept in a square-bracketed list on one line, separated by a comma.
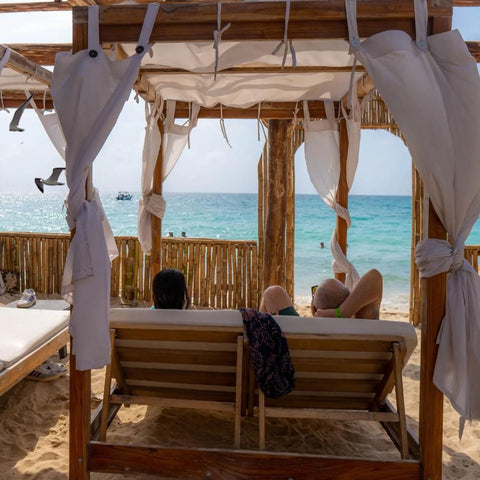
[(295, 114), (287, 44), (217, 36), (222, 126)]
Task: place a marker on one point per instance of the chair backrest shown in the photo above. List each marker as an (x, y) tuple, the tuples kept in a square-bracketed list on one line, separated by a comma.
[(346, 372), (183, 362)]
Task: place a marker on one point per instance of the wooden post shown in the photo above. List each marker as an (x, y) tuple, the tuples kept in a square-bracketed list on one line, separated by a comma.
[(431, 399), (290, 210), (274, 246), (157, 222), (80, 381), (342, 192)]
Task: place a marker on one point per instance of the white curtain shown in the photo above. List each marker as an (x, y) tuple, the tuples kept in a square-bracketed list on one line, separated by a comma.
[(432, 88), (175, 137), (322, 156), (89, 91), (51, 124)]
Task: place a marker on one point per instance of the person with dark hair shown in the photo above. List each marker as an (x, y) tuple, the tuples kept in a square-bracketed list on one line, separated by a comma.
[(170, 290)]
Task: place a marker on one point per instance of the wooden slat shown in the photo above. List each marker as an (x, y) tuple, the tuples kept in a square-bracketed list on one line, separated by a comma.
[(143, 355), (191, 464), (331, 414), (165, 402), (203, 379)]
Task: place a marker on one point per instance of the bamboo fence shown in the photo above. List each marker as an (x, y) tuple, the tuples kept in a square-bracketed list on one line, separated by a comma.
[(219, 273)]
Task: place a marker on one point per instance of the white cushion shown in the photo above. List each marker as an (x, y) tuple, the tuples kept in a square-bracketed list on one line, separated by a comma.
[(289, 324), (24, 330)]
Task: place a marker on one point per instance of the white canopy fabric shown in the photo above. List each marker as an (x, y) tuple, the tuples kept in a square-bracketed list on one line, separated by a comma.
[(432, 88), (51, 124), (89, 90), (175, 137), (322, 157), (241, 89)]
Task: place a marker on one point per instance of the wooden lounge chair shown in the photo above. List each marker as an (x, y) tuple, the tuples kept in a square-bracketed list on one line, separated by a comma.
[(175, 358), (345, 368), (27, 338)]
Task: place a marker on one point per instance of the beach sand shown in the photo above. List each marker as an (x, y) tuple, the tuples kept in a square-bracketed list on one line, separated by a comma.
[(34, 429)]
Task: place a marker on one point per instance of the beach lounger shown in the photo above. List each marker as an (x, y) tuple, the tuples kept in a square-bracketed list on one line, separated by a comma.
[(197, 359), (175, 358), (344, 368), (28, 337)]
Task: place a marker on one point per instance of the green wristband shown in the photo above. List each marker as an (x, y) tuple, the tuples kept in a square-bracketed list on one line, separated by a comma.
[(338, 312)]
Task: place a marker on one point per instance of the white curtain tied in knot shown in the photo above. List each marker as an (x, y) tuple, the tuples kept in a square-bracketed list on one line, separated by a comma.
[(175, 138), (434, 256), (322, 156), (89, 91), (432, 87)]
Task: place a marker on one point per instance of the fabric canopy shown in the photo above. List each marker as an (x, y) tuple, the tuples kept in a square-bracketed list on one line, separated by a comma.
[(175, 138), (89, 90), (241, 89), (432, 88)]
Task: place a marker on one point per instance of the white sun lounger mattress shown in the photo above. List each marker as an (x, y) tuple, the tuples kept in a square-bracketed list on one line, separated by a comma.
[(289, 324), (23, 330)]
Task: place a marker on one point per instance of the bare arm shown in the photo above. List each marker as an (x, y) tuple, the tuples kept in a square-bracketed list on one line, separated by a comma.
[(364, 300)]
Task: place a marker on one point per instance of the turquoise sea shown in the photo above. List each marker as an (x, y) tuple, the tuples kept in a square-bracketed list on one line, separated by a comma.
[(379, 236)]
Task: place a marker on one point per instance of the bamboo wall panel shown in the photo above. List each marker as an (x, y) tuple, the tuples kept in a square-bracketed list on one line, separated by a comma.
[(219, 273)]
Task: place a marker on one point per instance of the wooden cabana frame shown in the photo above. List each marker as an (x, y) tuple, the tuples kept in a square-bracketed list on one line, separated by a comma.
[(196, 22), (34, 77)]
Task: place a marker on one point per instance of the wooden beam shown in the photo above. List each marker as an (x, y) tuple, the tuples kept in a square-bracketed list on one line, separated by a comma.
[(431, 399), (80, 380), (192, 464), (474, 49), (34, 7), (466, 3), (159, 70), (21, 64), (308, 19), (268, 110), (274, 247), (38, 53)]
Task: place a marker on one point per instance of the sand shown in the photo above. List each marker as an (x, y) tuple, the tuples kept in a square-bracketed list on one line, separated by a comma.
[(34, 429)]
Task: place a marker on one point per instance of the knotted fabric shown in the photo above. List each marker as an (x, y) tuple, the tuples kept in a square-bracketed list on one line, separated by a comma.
[(432, 88), (269, 353)]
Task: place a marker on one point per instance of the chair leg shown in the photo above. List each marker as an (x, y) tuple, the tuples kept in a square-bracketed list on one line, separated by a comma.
[(238, 392), (400, 402), (261, 419), (106, 394)]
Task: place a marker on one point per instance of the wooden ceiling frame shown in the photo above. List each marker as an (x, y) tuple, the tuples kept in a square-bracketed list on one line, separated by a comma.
[(180, 22)]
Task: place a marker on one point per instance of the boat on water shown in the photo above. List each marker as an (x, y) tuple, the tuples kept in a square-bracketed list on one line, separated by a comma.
[(124, 196)]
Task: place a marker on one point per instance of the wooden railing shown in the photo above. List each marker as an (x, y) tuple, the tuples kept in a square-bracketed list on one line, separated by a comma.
[(220, 273)]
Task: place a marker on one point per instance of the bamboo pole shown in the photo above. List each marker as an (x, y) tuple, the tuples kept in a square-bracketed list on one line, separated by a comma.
[(274, 253), (290, 211), (342, 192)]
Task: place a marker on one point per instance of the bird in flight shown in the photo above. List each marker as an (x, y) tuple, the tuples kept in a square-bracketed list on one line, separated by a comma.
[(18, 114), (51, 180)]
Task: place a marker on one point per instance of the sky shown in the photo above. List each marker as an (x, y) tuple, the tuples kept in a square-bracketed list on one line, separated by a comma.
[(210, 165)]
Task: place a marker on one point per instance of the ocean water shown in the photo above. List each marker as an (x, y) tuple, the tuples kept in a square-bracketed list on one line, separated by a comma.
[(379, 236)]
